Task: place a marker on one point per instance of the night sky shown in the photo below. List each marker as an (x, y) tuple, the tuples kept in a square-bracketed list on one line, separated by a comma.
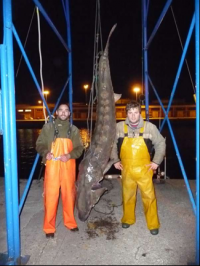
[(125, 47)]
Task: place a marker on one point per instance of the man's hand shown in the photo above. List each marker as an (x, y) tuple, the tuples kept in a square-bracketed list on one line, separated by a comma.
[(65, 158), (49, 156), (118, 166), (152, 166)]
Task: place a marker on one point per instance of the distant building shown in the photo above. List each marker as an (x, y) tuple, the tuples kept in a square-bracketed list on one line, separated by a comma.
[(80, 111)]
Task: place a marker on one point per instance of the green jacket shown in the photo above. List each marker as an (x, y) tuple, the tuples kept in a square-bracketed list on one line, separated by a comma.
[(154, 140), (63, 130)]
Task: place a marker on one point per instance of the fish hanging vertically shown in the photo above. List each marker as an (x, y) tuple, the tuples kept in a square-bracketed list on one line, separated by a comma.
[(96, 161)]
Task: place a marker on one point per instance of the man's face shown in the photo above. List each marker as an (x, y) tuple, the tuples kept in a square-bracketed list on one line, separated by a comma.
[(133, 115), (63, 112)]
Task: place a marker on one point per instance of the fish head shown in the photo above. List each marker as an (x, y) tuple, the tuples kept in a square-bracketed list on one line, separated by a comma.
[(89, 190)]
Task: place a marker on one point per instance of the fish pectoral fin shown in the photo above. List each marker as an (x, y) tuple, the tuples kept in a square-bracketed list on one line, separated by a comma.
[(96, 194), (96, 186), (110, 163), (117, 96)]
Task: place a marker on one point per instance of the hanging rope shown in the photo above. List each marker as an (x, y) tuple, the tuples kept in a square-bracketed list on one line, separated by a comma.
[(40, 54), (182, 49), (93, 93), (25, 41)]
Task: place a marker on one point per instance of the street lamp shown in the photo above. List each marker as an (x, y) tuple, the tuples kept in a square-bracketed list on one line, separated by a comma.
[(136, 90), (46, 93), (86, 87), (39, 102)]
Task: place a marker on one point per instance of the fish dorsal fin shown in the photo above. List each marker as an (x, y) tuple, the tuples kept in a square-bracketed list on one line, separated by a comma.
[(117, 96)]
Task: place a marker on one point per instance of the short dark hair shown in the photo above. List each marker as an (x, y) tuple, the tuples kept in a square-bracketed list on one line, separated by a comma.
[(62, 104), (133, 104)]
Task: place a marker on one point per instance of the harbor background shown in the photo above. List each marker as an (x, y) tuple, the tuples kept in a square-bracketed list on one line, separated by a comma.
[(184, 131)]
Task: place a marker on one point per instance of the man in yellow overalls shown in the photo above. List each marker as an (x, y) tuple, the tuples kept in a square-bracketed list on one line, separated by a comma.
[(135, 139), (60, 145)]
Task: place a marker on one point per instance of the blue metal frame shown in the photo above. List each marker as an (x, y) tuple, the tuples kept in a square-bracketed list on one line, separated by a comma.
[(9, 132), (1, 123), (23, 198), (8, 127), (42, 10), (179, 69), (176, 149), (197, 125), (7, 155), (167, 6), (8, 120), (30, 69), (66, 9), (69, 58), (145, 4), (146, 44)]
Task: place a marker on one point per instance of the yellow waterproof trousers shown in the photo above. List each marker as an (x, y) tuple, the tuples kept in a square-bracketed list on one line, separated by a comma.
[(135, 158), (59, 175)]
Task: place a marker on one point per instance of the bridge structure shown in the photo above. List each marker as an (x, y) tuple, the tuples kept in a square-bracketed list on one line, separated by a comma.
[(8, 111)]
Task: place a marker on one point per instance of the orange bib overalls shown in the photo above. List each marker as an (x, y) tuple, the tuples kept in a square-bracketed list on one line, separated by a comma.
[(135, 156), (59, 175)]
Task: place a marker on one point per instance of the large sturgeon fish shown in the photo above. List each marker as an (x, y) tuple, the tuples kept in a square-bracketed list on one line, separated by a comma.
[(96, 161)]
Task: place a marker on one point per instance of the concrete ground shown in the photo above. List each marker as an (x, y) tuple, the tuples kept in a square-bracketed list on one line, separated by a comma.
[(101, 239)]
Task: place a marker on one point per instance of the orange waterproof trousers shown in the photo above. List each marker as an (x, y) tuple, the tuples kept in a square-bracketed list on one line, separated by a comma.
[(59, 175)]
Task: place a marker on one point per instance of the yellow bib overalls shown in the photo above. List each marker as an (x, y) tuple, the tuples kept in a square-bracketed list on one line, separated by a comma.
[(59, 175), (134, 157)]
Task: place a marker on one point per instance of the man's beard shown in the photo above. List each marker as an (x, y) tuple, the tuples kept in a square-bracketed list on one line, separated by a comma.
[(63, 118)]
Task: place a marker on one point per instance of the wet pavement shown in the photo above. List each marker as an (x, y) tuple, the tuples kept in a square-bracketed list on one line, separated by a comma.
[(101, 240)]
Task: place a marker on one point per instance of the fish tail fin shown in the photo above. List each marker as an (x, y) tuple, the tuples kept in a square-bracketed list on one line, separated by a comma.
[(107, 44)]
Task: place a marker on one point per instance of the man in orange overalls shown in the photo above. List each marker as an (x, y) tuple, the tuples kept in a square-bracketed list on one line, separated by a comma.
[(60, 145), (131, 152)]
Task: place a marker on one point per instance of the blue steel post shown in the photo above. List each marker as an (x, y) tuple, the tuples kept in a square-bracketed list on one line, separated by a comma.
[(145, 51), (8, 39), (1, 123), (7, 156), (67, 14), (197, 127)]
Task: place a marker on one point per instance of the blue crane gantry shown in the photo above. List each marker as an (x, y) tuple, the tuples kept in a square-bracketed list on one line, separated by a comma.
[(8, 117)]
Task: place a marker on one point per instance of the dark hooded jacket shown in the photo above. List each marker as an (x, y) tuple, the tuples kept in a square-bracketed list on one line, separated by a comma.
[(59, 129)]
